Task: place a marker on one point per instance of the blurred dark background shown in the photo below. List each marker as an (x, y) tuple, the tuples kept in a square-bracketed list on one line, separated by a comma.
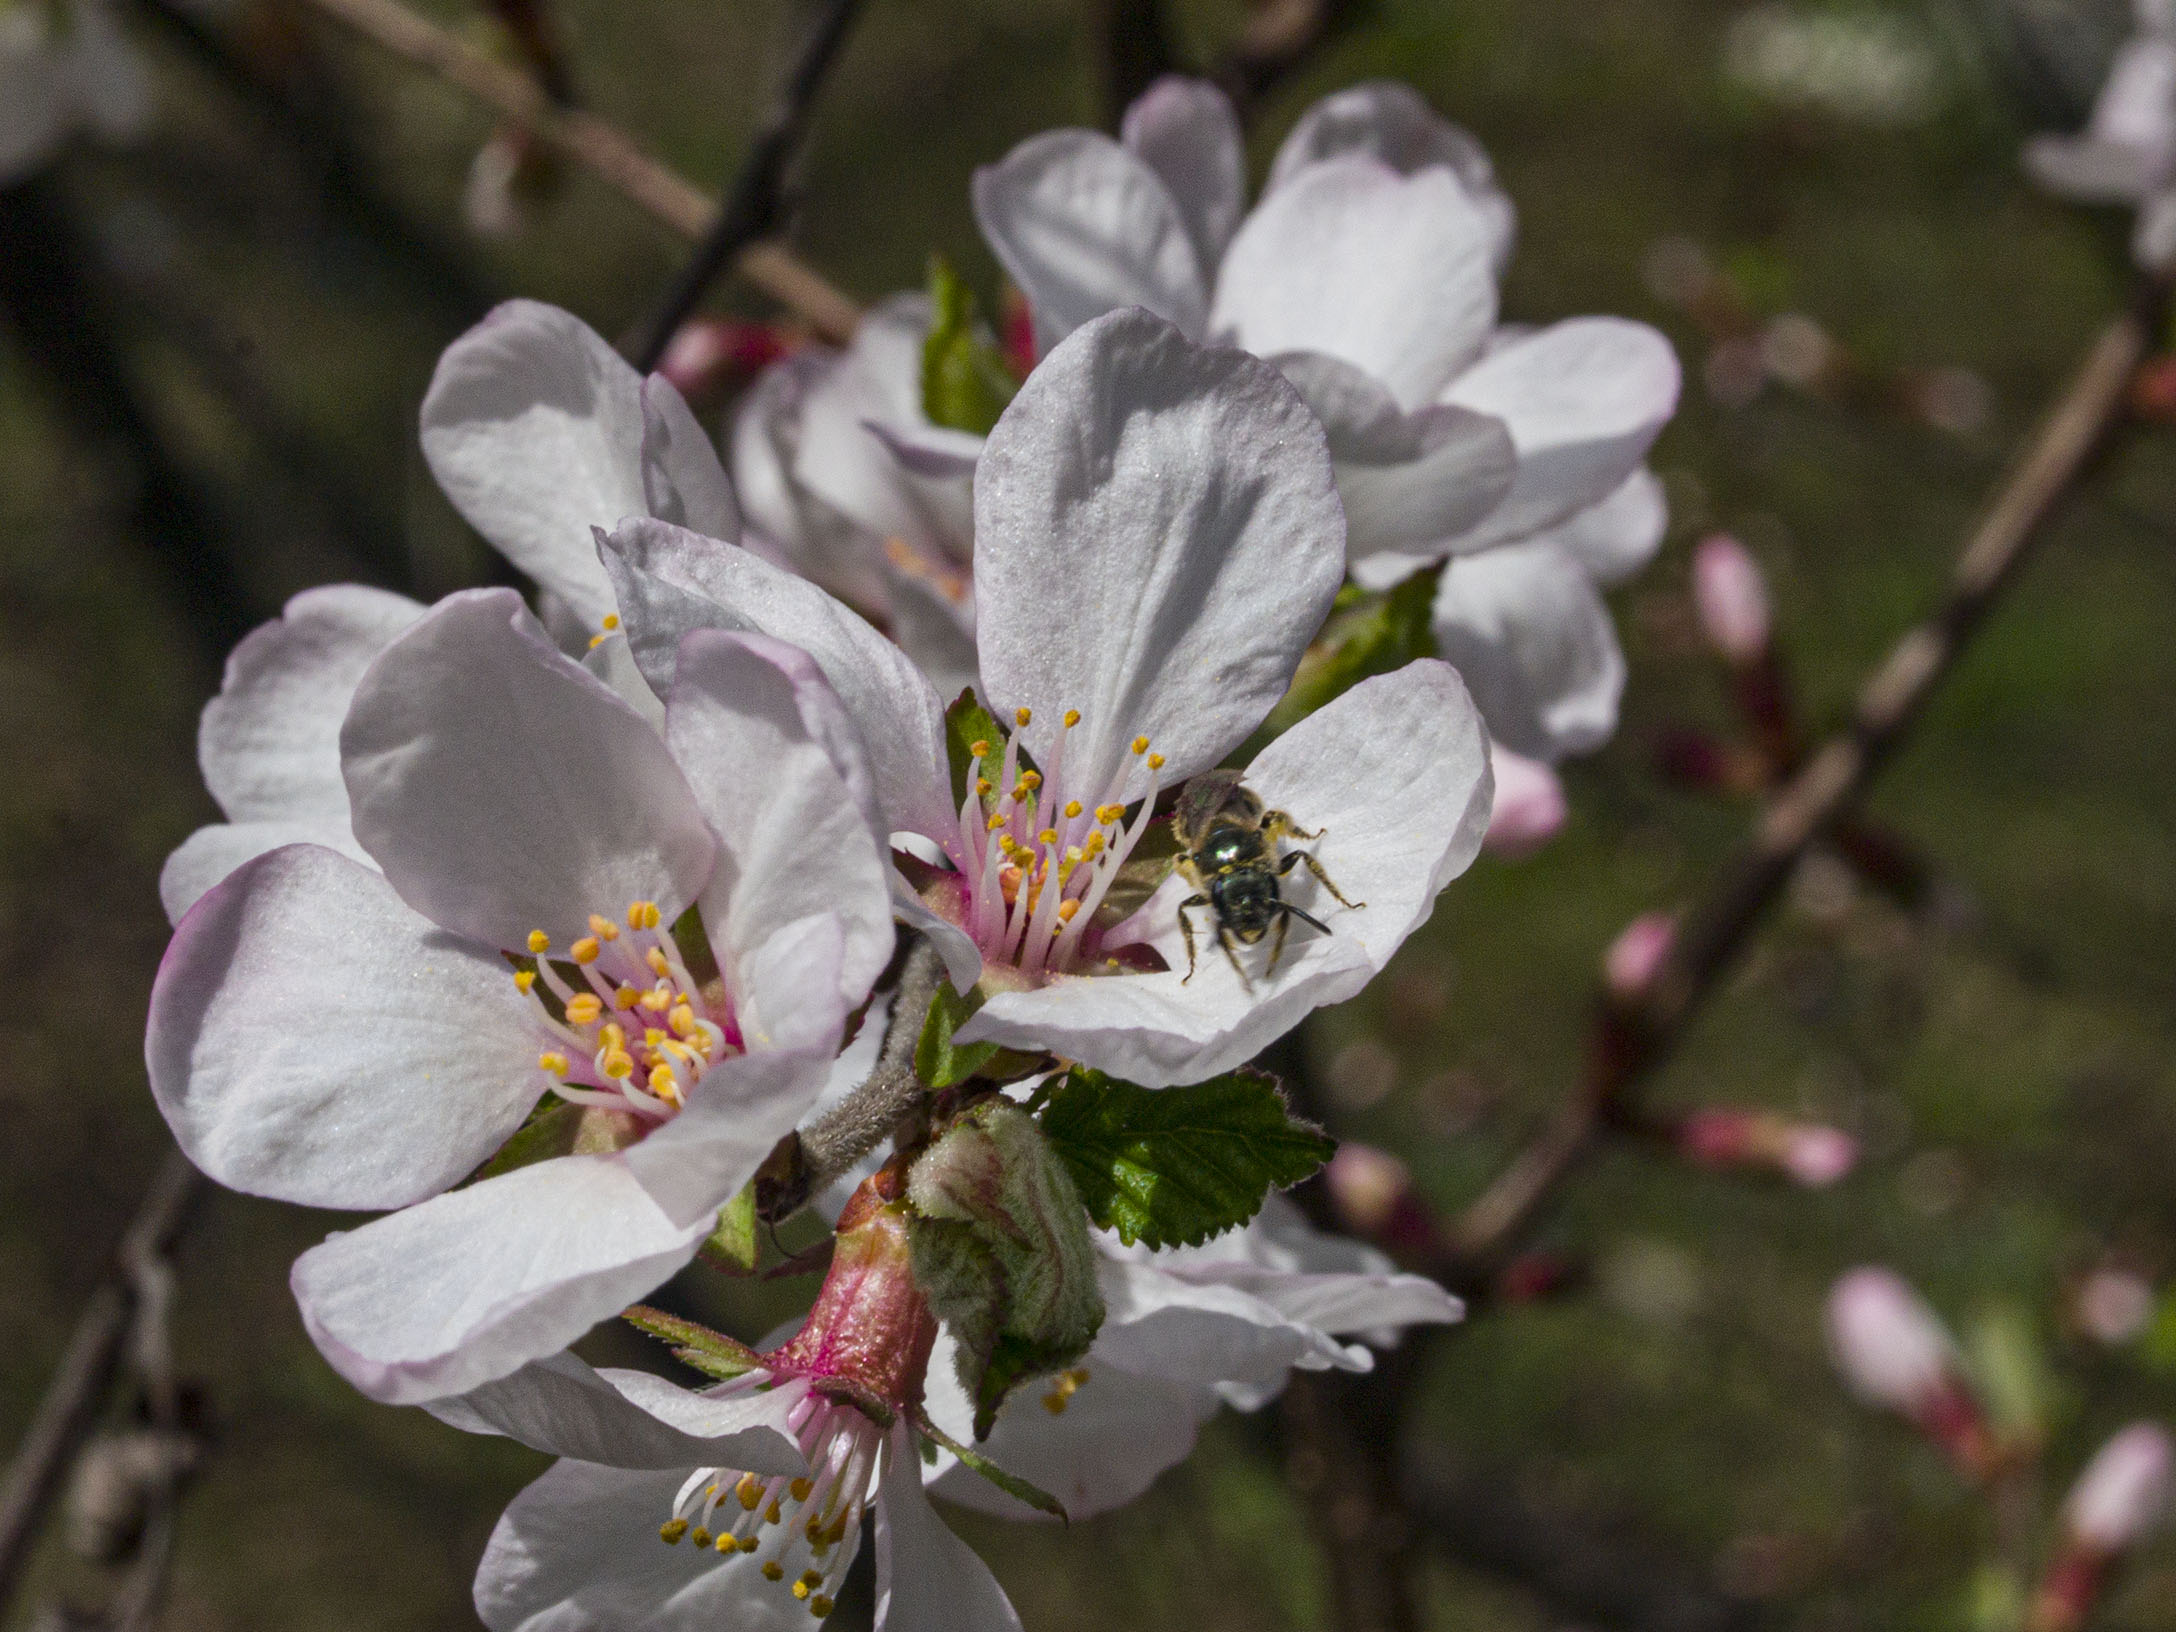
[(216, 340)]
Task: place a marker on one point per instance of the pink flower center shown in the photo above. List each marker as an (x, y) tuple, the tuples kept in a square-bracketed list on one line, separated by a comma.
[(632, 1030), (1038, 850)]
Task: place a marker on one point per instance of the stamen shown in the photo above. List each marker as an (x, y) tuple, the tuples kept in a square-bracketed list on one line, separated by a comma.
[(585, 950), (603, 928), (554, 1062), (583, 1008), (671, 1531), (524, 979), (749, 1492), (642, 915), (1021, 716), (774, 1571), (1072, 718), (1140, 745)]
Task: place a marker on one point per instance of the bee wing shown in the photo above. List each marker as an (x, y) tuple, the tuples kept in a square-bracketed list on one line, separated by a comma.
[(1201, 800)]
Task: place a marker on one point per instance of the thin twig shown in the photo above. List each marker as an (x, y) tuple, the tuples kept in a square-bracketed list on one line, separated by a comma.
[(755, 203), (66, 1413), (1634, 1040), (600, 147)]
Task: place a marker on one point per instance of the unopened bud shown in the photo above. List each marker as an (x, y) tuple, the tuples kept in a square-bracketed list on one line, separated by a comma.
[(1889, 1345), (1808, 1153), (1629, 966), (707, 356), (1016, 332), (2124, 1491), (1529, 807), (1373, 1194), (1732, 598)]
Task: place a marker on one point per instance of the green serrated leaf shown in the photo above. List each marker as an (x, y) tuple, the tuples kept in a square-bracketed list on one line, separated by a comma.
[(937, 1060), (734, 1245), (1171, 1167), (968, 726), (1375, 635), (712, 1353), (975, 1462), (965, 383)]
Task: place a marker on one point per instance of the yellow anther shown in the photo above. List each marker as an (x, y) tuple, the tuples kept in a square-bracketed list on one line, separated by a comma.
[(800, 1589), (642, 915), (664, 1084), (611, 620), (555, 1062), (749, 1492), (1062, 1389), (626, 997), (583, 1008), (1072, 809), (996, 822), (595, 641), (1140, 745), (671, 1531), (811, 1579), (659, 1000), (700, 1537), (682, 1020), (613, 1035), (801, 1489), (524, 979), (729, 1543), (1072, 718), (1049, 835), (660, 966), (603, 928), (819, 1606), (1066, 910), (1155, 762), (585, 950), (774, 1571), (983, 785), (1031, 780), (1021, 716), (1096, 844), (653, 1036), (1107, 814), (618, 1065), (979, 748), (771, 1515), (539, 941)]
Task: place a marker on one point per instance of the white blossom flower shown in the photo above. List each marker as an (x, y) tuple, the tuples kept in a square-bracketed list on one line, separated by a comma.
[(1367, 273), (846, 481), (1158, 541), (65, 66), (1186, 1330), (673, 1510), (2127, 152), (330, 1034)]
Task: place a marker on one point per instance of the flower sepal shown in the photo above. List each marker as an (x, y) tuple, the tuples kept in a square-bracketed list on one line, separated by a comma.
[(694, 1344)]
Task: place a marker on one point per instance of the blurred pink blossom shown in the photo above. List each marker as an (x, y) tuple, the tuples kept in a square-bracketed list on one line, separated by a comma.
[(1633, 957), (1529, 807), (1732, 598)]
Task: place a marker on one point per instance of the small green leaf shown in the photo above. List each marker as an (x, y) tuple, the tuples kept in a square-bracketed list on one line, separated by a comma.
[(2009, 1363), (965, 384), (711, 1353), (2157, 1344), (1173, 1166), (1375, 635), (968, 726), (975, 1462), (734, 1245), (556, 1128), (937, 1060)]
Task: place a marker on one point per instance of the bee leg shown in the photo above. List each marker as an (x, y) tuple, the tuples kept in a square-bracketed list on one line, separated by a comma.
[(1186, 928), (1278, 824), (1321, 877), (1230, 943), (1284, 923)]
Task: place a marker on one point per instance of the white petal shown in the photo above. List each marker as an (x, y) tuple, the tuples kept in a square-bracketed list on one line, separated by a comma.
[(1159, 539), (1389, 121), (533, 426), (1389, 273), (1526, 628), (269, 743), (671, 581), (211, 853), (1394, 774), (612, 660), (313, 1039), (504, 788), (1612, 540), (682, 480), (629, 1419), (1085, 227), (472, 1285), (1207, 1332), (1185, 131), (781, 776), (934, 630), (927, 1579), (578, 1551), (1585, 399), (807, 533), (1327, 1281)]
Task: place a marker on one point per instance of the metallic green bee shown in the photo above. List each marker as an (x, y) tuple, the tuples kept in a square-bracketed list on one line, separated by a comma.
[(1230, 854)]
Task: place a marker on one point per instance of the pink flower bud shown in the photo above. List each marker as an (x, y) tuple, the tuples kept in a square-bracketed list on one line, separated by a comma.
[(1818, 1156), (1807, 1153), (707, 354), (1373, 1194), (1629, 966), (1529, 805), (2124, 1491), (1732, 598), (1889, 1345)]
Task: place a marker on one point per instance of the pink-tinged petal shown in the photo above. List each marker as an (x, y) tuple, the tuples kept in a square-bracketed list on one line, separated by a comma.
[(211, 853), (313, 1039), (2123, 1494), (682, 479), (935, 630), (269, 743), (629, 1419), (1391, 122), (1527, 630), (671, 581), (1891, 1347), (1614, 539), (1207, 1332), (927, 1579), (470, 1286), (1159, 538), (2127, 148), (1185, 131), (612, 660), (1530, 807), (1086, 227), (1394, 774), (578, 1551), (533, 426), (1732, 598), (780, 773), (505, 789), (801, 529), (1407, 480), (1584, 399), (1387, 272)]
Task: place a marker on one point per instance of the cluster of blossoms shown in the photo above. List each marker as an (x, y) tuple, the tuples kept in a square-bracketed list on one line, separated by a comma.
[(551, 936)]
